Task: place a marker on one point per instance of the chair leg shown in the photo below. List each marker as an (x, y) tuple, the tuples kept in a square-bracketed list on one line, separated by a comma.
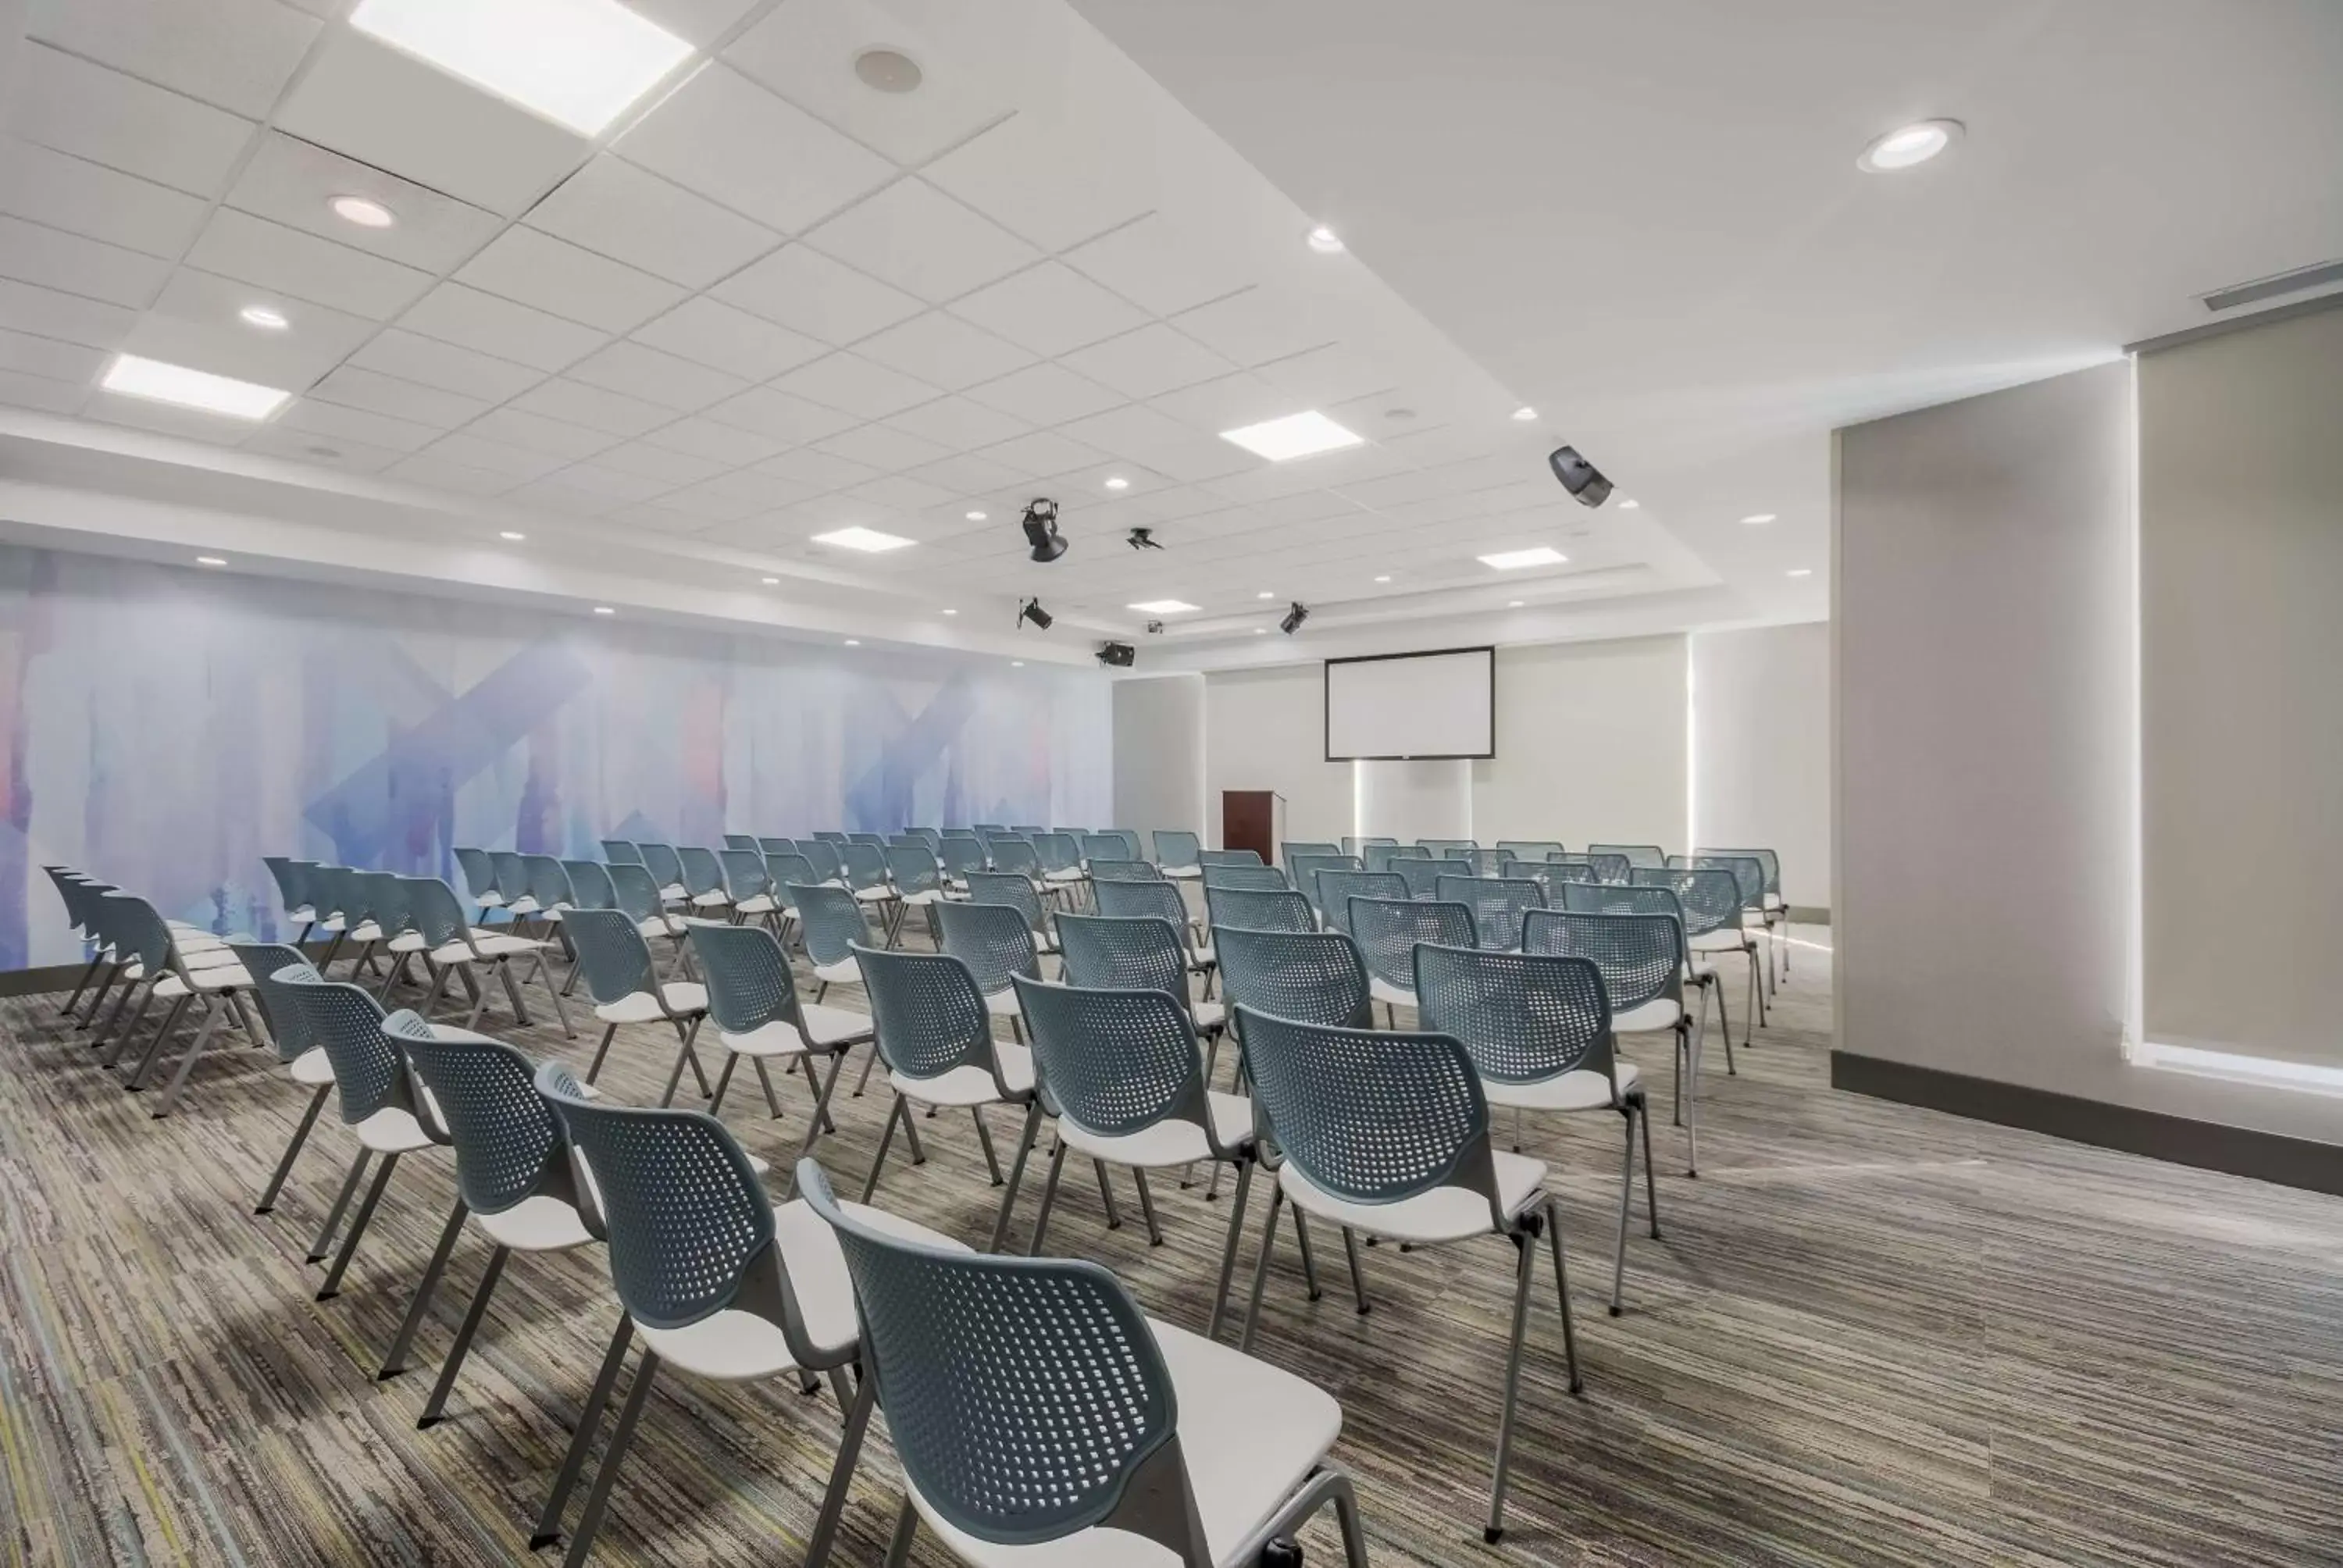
[(1626, 1199), (1229, 1252), (690, 1037), (212, 1018), (1147, 1207), (1562, 1290), (86, 975), (97, 997), (1651, 1183), (333, 1285), (598, 1499), (821, 1099), (907, 1530), (601, 1050), (435, 1406), (1106, 1196), (1048, 1199), (1525, 1251), (1309, 1262), (1261, 1268), (724, 1082), (153, 1053), (396, 1362), (765, 1081), (560, 1013), (822, 1091), (984, 1139), (1689, 1044), (300, 1136), (841, 1472), (1358, 1278), (548, 1521), (868, 1062), (1016, 1171), (902, 1112), (1723, 1026), (324, 1244), (98, 1004), (512, 992)]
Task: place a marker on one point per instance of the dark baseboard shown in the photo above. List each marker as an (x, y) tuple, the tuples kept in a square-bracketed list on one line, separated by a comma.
[(2208, 1145)]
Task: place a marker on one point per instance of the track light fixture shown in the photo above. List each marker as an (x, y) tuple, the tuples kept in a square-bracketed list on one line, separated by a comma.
[(1295, 617), (1033, 611), (1117, 655), (1040, 525), (1142, 540), (1155, 627)]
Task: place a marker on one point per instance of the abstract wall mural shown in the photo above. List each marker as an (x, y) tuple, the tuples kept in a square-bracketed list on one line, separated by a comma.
[(166, 727)]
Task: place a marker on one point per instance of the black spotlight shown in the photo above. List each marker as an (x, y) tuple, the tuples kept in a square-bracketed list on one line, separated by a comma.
[(1294, 617), (1155, 627), (1579, 477), (1142, 540), (1041, 531), (1033, 612), (1120, 654)]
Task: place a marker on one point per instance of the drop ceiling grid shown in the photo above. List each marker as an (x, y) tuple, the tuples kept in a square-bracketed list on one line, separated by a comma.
[(446, 414)]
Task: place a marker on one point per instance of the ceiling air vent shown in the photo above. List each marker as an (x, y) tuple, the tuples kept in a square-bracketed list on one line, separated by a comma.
[(2300, 280)]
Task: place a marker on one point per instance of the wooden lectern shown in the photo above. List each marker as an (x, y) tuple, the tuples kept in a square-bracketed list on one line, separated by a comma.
[(1253, 819)]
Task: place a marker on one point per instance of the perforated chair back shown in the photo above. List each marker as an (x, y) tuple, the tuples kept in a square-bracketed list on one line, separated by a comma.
[(1547, 874), (549, 883), (1528, 848), (1026, 1397), (1155, 901), (1228, 858), (634, 892), (1623, 899), (1315, 976), (1292, 847), (1422, 873), (1013, 889), (928, 1016), (1641, 956), (1497, 904), (134, 930), (437, 916), (787, 867), (1387, 931), (1440, 848), (1635, 854), (928, 836), (330, 888), (823, 857), (1769, 865), (1114, 1060), (1106, 869), (865, 865), (1710, 898), (745, 873), (612, 957), (831, 920), (961, 856), (1356, 845), (1523, 1018), (1104, 847), (748, 981), (664, 864), (1473, 862), (1176, 847), (621, 852), (778, 846), (479, 870), (831, 836), (289, 1025), (1379, 856), (1011, 854), (386, 901), (1258, 910), (589, 885), (1337, 889), (1306, 869), (912, 868), (993, 939), (1609, 867), (369, 1071), (483, 1094), (512, 875), (740, 841), (1248, 874), (1122, 952), (876, 840), (702, 872), (1748, 872)]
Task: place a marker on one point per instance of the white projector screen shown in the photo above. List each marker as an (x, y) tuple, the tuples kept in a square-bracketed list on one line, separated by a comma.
[(1412, 706)]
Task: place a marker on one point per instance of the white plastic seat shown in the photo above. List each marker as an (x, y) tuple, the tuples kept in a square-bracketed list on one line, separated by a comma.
[(1169, 1141), (1209, 1015), (661, 925), (834, 1025), (874, 895), (683, 996), (1003, 1004), (538, 1224), (757, 904), (845, 972), (1724, 939), (1583, 1090), (392, 1131), (1659, 1012), (715, 898), (1442, 1214), (217, 977), (1382, 991), (971, 1085), (1182, 873), (312, 1069), (925, 897)]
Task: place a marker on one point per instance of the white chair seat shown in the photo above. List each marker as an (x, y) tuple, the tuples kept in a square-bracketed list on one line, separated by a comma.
[(1580, 1090), (660, 925), (1383, 990), (208, 958), (524, 905), (924, 897), (392, 1131), (1183, 873), (1659, 1012), (1003, 1004), (1070, 874), (1043, 942), (970, 1085), (1250, 1434), (218, 977), (757, 904), (778, 1037), (1442, 1214), (714, 898), (538, 1224), (407, 942), (845, 972), (306, 915), (733, 1346), (672, 893), (1167, 1142), (491, 900), (1210, 1015), (834, 1025), (484, 945), (312, 1069), (1773, 902), (1727, 940), (366, 932), (641, 1007), (873, 895)]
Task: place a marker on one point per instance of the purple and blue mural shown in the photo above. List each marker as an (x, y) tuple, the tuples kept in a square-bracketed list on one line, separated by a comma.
[(166, 727)]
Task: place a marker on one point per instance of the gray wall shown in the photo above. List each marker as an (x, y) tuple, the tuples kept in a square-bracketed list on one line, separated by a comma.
[(1158, 753), (1761, 750)]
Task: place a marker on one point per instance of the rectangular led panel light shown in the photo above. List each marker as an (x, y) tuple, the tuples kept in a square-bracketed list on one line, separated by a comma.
[(861, 539), (1515, 561), (579, 63), (136, 378), (1164, 607), (1295, 435)]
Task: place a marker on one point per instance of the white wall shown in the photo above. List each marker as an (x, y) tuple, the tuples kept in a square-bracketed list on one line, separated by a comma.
[(1590, 745), (1413, 801), (1761, 750), (1158, 753), (1266, 729)]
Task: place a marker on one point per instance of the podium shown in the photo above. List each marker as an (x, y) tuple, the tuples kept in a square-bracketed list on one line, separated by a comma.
[(1253, 819)]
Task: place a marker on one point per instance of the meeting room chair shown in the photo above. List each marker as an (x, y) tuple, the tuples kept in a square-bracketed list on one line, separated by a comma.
[(1179, 852), (919, 882), (704, 889), (1646, 855), (479, 870), (1015, 890), (960, 856), (1775, 913), (997, 945), (1422, 873), (637, 896), (1227, 858), (626, 987), (750, 882), (753, 999), (1441, 849), (1641, 958), (621, 852), (1292, 847), (1304, 869), (1497, 903), (1123, 953), (304, 1060), (1528, 848), (831, 920), (452, 946), (1163, 901), (1257, 909), (1718, 894), (1354, 844), (1387, 931), (1244, 874)]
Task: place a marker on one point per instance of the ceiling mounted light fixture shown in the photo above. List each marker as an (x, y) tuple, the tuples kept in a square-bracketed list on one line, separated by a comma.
[(512, 536), (1295, 614), (1325, 241), (1161, 607), (950, 611), (1513, 604), (888, 71), (265, 319), (1040, 525), (161, 383), (1525, 414), (1630, 505), (1295, 435), (771, 582), (211, 560), (869, 541), (604, 610), (1032, 611), (1515, 561), (1117, 482), (362, 212), (975, 517), (1384, 579), (1756, 519), (578, 63), (1907, 145), (1802, 571)]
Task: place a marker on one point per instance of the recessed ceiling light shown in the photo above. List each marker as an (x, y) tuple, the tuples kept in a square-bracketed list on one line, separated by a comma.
[(512, 536), (952, 612), (1908, 144), (1325, 241), (1512, 604), (1264, 593), (1401, 415), (1295, 435), (854, 642), (888, 70), (1802, 571), (1261, 631), (364, 213), (579, 63), (604, 610), (1758, 517), (976, 517), (211, 560), (858, 537), (771, 582), (1163, 607), (1382, 579), (1524, 413), (1117, 482), (1016, 664), (267, 320), (152, 378), (1515, 561), (1630, 505)]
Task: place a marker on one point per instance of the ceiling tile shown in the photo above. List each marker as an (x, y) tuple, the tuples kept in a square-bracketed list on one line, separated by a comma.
[(85, 198), (959, 424), (808, 292), (657, 378), (279, 440), (658, 519), (517, 462), (887, 450), (1130, 432), (1037, 179), (30, 356), (367, 100), (806, 50), (237, 54), (554, 438), (332, 421), (194, 322), (1333, 374), (1042, 454), (816, 471), (169, 419), (1231, 402), (1050, 309), (943, 350), (560, 494), (592, 407), (53, 258), (710, 332), (459, 314), (967, 475), (548, 274), (696, 22), (50, 396), (254, 250), (718, 442), (1045, 395), (108, 118), (439, 474), (613, 485), (851, 383), (1257, 325), (671, 468), (791, 420), (731, 140), (293, 182), (415, 357), (1150, 265), (630, 215), (709, 501), (919, 239), (1201, 457), (1149, 362), (901, 492), (379, 394)]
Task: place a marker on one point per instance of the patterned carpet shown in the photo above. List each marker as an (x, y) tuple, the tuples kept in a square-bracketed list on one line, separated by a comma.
[(1871, 1334)]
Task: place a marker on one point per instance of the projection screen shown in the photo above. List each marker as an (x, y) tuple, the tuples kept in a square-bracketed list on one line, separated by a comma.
[(1412, 706)]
